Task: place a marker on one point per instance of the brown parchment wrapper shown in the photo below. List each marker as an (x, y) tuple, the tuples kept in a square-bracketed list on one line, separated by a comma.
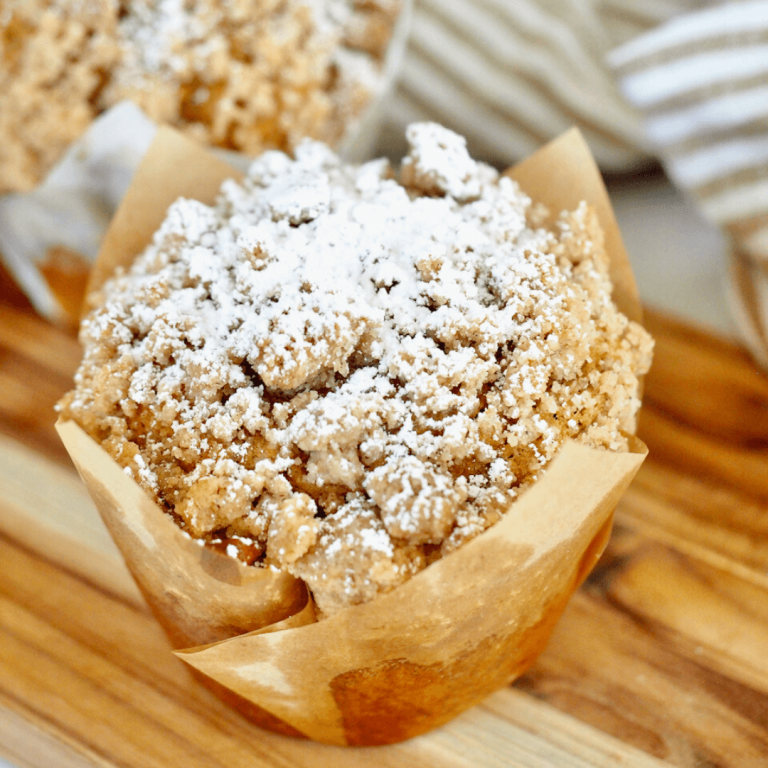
[(414, 658)]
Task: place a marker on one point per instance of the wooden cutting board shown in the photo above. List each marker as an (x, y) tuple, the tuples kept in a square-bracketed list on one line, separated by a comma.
[(660, 659)]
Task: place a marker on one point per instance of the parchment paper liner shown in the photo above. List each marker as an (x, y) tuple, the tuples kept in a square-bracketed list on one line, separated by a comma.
[(411, 659)]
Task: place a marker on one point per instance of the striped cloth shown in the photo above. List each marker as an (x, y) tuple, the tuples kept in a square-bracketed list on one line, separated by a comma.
[(512, 74), (701, 83)]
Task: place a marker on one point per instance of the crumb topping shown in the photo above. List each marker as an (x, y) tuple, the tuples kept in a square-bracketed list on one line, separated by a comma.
[(348, 376), (240, 74)]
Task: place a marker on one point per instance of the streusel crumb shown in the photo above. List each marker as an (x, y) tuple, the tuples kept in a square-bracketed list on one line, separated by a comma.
[(347, 377), (239, 74)]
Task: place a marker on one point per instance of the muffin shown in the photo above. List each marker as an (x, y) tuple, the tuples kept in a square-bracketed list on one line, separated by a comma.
[(242, 75), (383, 668), (346, 374)]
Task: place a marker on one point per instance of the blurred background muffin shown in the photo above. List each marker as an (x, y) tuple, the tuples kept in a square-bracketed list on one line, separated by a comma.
[(239, 74)]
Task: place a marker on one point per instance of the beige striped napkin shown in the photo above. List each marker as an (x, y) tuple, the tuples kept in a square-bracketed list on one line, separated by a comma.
[(512, 74), (701, 84)]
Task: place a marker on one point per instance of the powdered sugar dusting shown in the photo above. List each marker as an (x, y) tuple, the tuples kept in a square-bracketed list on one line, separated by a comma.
[(353, 375)]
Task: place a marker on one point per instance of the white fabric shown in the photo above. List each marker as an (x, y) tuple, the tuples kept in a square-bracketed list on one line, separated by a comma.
[(735, 19), (510, 75), (706, 105), (727, 111), (657, 84)]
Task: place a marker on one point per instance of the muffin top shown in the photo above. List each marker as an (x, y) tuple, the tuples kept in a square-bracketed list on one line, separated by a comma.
[(345, 375), (239, 74)]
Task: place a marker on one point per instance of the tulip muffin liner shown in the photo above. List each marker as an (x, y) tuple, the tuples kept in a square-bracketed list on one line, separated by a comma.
[(411, 659)]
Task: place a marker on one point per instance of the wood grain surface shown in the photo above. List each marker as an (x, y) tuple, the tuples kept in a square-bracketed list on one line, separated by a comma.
[(660, 659)]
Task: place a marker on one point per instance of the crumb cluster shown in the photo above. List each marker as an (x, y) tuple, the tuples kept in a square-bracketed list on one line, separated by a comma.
[(348, 376), (239, 74)]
